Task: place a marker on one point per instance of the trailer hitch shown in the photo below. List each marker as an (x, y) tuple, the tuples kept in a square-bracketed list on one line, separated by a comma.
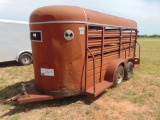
[(31, 95), (15, 98)]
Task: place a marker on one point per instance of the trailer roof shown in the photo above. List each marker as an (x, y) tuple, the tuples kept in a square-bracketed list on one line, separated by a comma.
[(74, 14), (13, 21)]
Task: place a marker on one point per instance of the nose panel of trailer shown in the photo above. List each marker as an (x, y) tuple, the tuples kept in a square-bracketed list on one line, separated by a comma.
[(58, 63)]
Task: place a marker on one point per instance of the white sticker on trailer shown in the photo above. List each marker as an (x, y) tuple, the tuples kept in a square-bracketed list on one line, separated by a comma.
[(81, 30), (47, 72)]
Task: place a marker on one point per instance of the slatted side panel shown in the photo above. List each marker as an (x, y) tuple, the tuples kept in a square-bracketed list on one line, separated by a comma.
[(111, 43), (109, 40), (129, 41), (95, 36)]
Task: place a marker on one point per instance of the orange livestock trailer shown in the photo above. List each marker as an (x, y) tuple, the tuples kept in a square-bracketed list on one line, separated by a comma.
[(79, 51)]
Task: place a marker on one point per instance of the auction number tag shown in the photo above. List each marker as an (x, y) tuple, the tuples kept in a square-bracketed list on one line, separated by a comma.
[(47, 72)]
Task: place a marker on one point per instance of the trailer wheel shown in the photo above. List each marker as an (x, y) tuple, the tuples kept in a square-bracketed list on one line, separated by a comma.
[(25, 59), (118, 77), (128, 70)]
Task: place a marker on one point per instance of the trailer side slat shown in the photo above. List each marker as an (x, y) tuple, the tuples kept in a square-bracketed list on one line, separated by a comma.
[(112, 45)]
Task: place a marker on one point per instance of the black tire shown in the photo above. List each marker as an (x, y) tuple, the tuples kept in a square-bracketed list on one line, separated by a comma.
[(25, 59), (118, 77), (128, 70)]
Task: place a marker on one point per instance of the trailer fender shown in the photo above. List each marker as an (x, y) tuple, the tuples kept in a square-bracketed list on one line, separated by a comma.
[(112, 67)]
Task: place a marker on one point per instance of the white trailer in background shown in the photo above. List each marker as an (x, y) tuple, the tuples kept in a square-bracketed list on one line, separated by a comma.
[(15, 42)]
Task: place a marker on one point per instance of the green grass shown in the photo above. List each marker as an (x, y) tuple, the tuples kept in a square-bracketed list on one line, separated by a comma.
[(136, 99), (15, 117)]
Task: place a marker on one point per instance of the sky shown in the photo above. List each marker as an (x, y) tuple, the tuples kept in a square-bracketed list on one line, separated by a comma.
[(145, 12)]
